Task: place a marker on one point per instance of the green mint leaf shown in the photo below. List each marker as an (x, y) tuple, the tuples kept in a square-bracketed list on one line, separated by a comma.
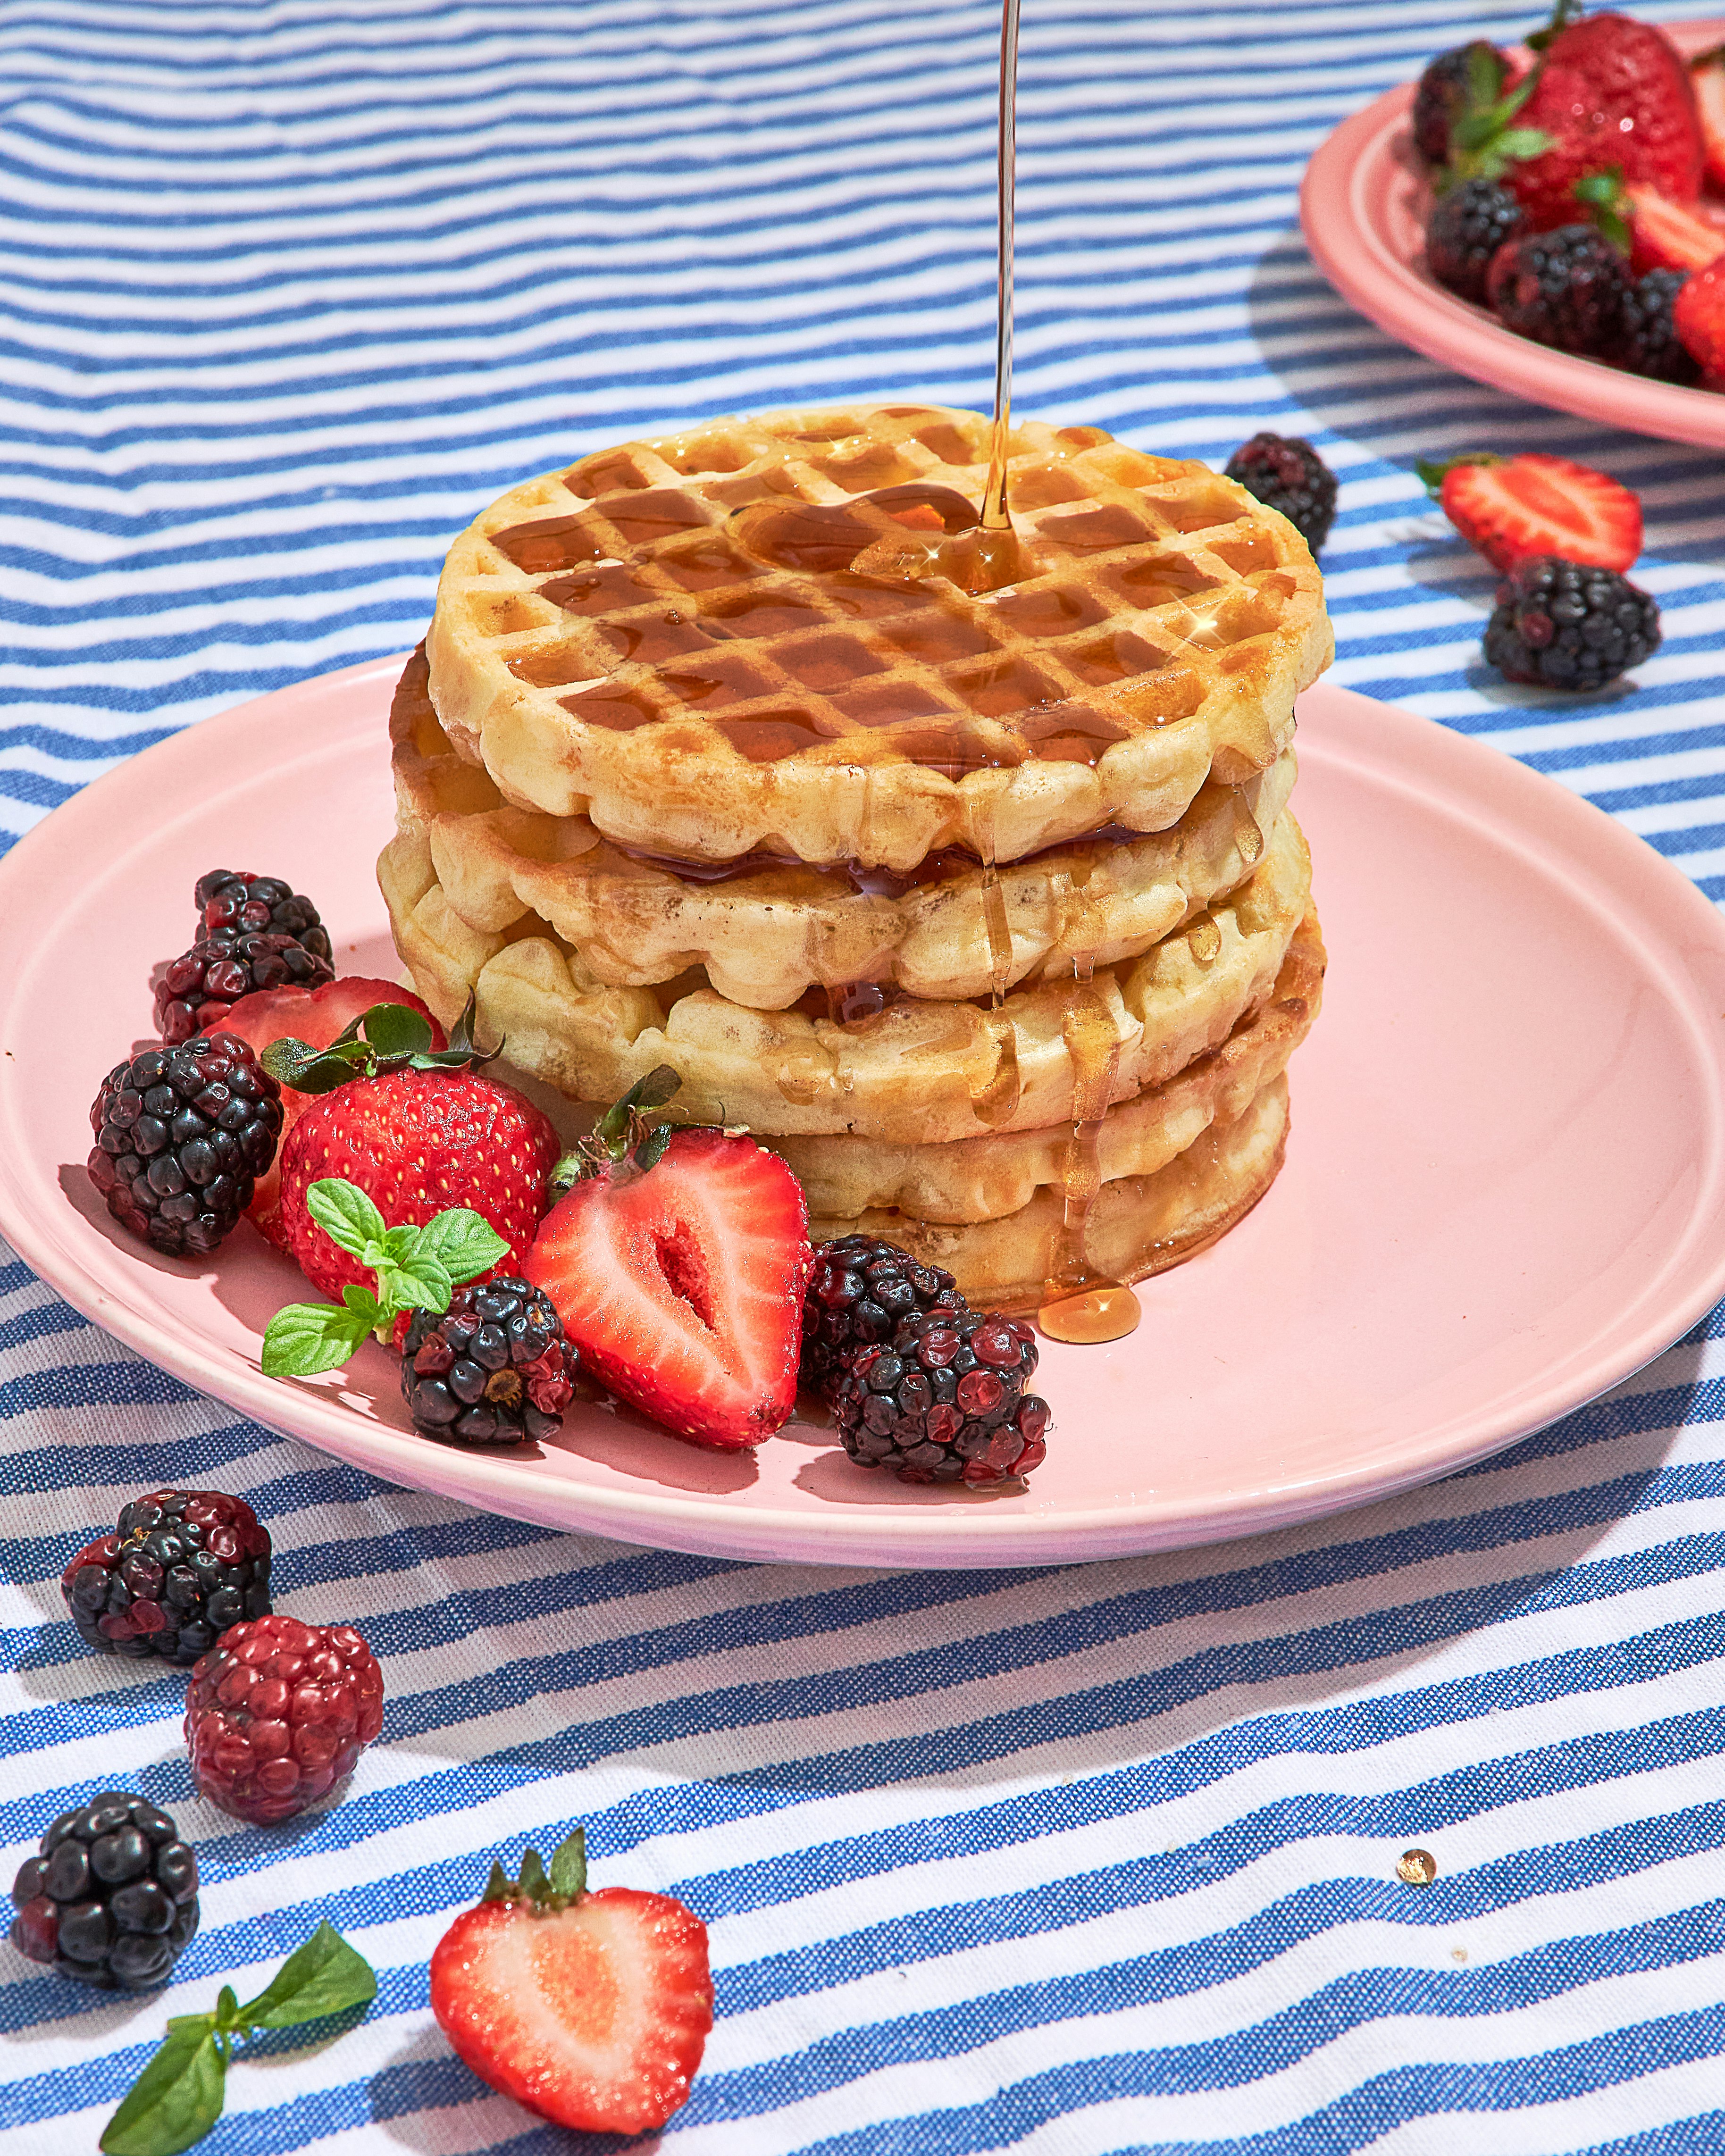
[(176, 2100), (363, 1304), (399, 1243), (394, 1029), (1520, 144), (421, 1284), (228, 2008), (568, 1864), (345, 1213), (307, 1337), (324, 1976), (464, 1243)]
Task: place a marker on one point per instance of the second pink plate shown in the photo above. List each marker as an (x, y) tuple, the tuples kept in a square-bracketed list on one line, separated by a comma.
[(1362, 207), (1505, 1188)]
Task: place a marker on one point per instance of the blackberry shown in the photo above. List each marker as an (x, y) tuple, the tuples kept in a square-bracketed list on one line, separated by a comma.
[(1564, 288), (1289, 474), (111, 1897), (198, 988), (1465, 229), (858, 1290), (182, 1134), (234, 903), (1445, 91), (1648, 344), (944, 1400), (1561, 625), (180, 1568), (494, 1369)]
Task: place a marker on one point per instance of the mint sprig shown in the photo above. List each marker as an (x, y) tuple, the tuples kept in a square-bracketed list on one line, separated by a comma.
[(178, 2097), (414, 1268)]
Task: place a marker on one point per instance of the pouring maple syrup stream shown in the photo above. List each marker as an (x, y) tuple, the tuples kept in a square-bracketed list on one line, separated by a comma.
[(1078, 1306)]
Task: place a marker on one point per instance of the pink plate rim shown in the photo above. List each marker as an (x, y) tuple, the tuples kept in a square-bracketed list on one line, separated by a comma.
[(1344, 200), (1684, 934)]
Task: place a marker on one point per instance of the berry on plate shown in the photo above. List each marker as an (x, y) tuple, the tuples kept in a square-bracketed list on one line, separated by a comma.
[(1698, 313), (1706, 77), (859, 1288), (1564, 288), (1467, 77), (419, 1130), (1465, 229), (1560, 625), (110, 1897), (198, 988), (494, 1369), (234, 903), (182, 1134), (1604, 91), (1510, 508), (278, 1712), (1651, 344), (677, 1263), (592, 2010), (1287, 473), (177, 1570), (944, 1400), (318, 1017)]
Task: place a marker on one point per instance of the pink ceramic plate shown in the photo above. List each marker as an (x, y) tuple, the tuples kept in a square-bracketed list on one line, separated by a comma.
[(1505, 1188), (1362, 207)]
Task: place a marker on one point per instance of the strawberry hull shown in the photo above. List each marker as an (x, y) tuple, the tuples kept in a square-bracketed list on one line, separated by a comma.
[(682, 1287)]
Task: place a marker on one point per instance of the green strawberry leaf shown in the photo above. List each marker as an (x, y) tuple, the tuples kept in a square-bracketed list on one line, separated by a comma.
[(304, 1338), (394, 1029), (651, 1150), (568, 1864), (532, 1881), (345, 1213), (284, 1057), (176, 2100), (463, 1242), (652, 1091), (325, 1976)]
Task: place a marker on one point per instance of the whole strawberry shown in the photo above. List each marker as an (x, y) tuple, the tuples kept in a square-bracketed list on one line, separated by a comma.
[(278, 1712), (592, 2010), (677, 1264), (418, 1131), (1605, 92)]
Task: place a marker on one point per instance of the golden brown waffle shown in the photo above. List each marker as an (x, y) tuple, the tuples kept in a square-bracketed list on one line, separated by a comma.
[(922, 1071), (982, 1179), (767, 933), (710, 646), (1136, 1224)]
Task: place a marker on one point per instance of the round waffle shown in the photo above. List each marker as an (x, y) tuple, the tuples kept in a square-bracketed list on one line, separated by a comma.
[(1136, 1226), (921, 1071), (982, 1179), (773, 636), (767, 931)]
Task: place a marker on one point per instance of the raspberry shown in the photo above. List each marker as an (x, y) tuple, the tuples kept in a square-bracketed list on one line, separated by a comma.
[(858, 1290), (111, 1897), (179, 1569), (1465, 229), (1287, 473), (277, 1713), (494, 1369), (197, 989), (945, 1400), (1559, 625), (182, 1134), (1564, 288)]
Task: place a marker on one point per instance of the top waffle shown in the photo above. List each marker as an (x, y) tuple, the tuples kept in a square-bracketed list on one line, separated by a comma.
[(758, 636)]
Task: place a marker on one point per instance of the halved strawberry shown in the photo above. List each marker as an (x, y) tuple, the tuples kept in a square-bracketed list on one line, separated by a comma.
[(1668, 235), (1512, 508), (681, 1283), (592, 2010), (1698, 315), (315, 1016), (1707, 76)]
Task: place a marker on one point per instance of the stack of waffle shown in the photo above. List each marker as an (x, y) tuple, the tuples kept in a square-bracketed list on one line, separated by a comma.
[(957, 868)]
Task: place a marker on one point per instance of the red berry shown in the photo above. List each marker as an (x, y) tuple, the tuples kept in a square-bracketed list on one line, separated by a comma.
[(1699, 316), (278, 1712)]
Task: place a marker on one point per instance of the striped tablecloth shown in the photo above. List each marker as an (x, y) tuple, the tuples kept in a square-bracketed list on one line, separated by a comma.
[(1062, 1861)]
